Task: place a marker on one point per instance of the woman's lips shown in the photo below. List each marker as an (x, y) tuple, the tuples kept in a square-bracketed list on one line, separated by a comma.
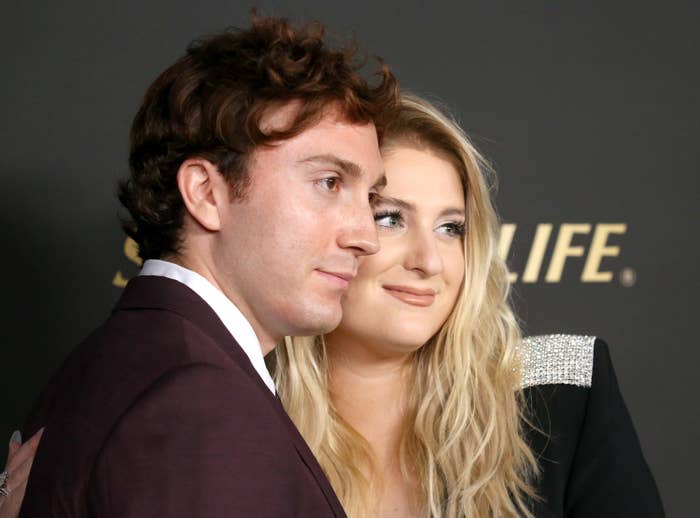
[(410, 295)]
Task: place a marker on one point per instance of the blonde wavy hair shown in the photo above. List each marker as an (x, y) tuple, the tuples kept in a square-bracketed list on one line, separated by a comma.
[(462, 435)]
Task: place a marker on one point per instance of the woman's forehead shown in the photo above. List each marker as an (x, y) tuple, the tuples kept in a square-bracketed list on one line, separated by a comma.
[(420, 177)]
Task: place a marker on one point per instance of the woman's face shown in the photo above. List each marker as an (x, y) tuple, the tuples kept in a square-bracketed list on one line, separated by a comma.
[(404, 293)]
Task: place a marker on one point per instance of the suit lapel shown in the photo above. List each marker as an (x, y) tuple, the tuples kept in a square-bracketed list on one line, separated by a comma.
[(152, 292), (310, 461)]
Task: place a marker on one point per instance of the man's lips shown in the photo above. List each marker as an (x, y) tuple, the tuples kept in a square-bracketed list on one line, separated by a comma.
[(423, 297), (341, 279)]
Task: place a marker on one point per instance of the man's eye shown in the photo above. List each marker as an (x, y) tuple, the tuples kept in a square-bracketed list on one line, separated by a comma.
[(331, 183)]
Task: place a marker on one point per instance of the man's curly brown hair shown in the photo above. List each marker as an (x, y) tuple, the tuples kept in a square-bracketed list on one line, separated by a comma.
[(210, 102)]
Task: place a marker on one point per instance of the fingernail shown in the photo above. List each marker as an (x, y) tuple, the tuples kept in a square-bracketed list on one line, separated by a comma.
[(16, 437)]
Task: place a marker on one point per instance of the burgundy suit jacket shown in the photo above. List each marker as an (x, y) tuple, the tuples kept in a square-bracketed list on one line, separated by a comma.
[(160, 413)]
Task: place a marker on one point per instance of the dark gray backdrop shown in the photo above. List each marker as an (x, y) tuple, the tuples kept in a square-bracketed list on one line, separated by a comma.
[(588, 110)]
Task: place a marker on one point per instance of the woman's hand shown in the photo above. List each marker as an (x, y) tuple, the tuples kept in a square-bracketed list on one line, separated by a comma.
[(19, 461)]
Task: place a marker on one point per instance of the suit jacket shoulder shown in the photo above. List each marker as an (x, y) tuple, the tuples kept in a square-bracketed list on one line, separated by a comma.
[(160, 413), (591, 462)]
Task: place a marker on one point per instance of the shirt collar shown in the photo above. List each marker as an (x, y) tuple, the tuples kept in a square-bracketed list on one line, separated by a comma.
[(230, 315)]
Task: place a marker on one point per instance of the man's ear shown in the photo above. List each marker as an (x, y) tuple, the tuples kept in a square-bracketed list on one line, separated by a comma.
[(203, 189)]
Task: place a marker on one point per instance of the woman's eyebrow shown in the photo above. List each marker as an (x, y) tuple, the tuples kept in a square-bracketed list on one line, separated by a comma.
[(403, 204), (453, 211), (381, 199)]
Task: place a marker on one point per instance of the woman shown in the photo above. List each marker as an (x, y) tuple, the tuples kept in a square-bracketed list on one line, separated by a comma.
[(421, 402), (425, 401)]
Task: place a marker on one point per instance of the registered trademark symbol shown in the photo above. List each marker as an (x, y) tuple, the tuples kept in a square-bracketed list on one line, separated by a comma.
[(628, 277)]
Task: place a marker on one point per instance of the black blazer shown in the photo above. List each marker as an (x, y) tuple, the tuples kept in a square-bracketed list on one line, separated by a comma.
[(589, 454), (160, 413)]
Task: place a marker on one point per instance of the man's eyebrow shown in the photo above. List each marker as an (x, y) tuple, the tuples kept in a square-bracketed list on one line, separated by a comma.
[(350, 168), (381, 183)]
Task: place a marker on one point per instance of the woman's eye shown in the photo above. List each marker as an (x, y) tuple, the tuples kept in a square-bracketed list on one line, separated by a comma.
[(388, 219), (452, 229)]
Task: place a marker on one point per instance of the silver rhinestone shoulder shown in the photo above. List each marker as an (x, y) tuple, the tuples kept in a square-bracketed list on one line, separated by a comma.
[(557, 359)]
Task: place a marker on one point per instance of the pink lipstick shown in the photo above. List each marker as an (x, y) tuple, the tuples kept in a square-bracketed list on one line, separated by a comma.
[(422, 297)]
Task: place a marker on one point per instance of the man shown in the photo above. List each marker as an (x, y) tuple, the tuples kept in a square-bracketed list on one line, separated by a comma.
[(253, 162)]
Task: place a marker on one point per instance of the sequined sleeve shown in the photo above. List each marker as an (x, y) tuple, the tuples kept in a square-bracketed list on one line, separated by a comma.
[(578, 426), (557, 359)]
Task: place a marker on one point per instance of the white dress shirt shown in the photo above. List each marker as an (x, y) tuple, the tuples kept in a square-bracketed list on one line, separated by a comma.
[(230, 315)]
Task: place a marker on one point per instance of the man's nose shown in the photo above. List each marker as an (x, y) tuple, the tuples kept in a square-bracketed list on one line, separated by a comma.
[(358, 232)]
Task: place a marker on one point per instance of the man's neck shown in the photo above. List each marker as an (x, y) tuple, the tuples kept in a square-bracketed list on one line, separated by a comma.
[(267, 341)]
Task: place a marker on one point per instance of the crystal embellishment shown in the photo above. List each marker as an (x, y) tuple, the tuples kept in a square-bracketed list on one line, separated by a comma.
[(557, 359)]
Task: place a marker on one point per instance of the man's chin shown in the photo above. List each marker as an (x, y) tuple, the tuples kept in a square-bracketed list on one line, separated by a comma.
[(319, 321)]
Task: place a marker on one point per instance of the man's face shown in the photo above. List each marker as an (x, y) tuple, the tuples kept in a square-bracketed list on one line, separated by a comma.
[(286, 252)]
